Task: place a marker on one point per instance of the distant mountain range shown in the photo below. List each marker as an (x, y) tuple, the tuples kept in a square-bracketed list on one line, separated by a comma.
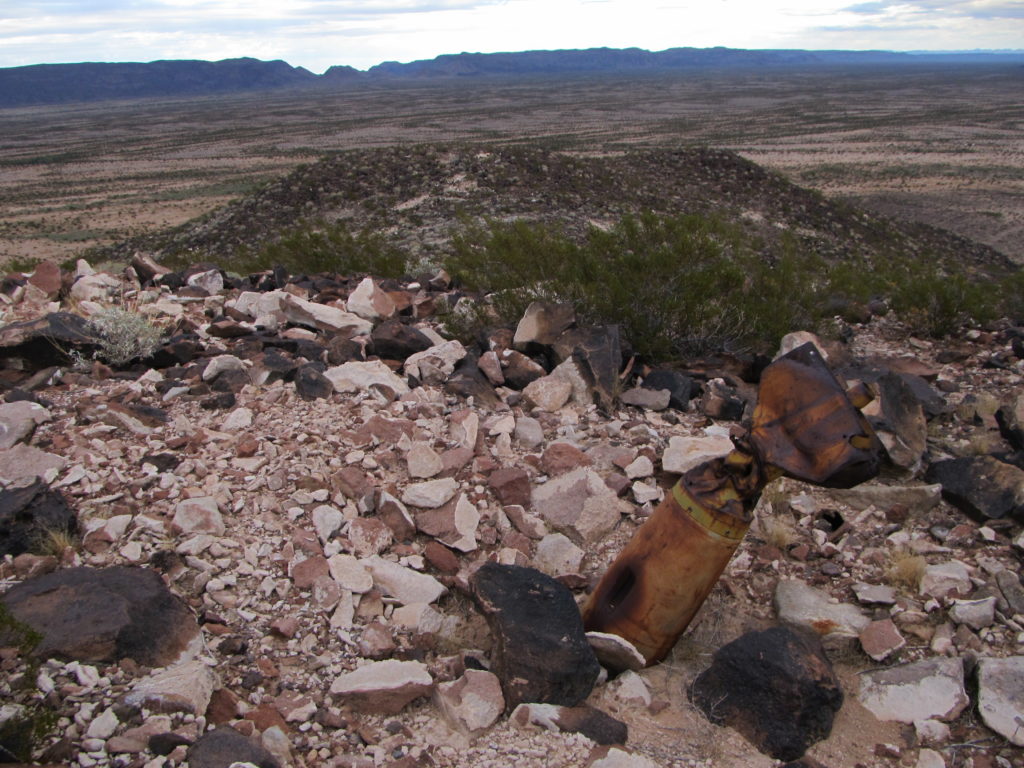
[(68, 83)]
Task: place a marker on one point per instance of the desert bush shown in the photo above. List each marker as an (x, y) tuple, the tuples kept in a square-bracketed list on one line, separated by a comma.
[(124, 335), (320, 246), (676, 285)]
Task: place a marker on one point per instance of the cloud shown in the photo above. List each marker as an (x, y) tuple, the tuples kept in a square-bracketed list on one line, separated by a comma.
[(973, 9)]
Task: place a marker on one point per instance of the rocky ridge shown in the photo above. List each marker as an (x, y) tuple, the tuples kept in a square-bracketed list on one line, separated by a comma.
[(329, 498), (416, 194)]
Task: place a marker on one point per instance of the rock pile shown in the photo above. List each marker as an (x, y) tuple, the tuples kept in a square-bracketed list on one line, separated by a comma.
[(308, 529)]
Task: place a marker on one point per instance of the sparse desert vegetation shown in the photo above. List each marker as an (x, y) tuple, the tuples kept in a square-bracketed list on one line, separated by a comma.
[(935, 144)]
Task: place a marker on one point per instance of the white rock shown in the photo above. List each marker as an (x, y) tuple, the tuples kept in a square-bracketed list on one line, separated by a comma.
[(423, 461), (943, 579), (556, 555), (384, 686), (210, 282), (198, 515), (184, 687), (548, 393), (467, 519), (802, 605), (631, 688), (685, 453), (925, 690), (931, 731), (323, 317), (976, 614), (430, 494), (441, 357), (580, 505), (620, 758), (529, 433), (418, 617), (256, 304), (237, 420), (1001, 696), (473, 702), (350, 573), (646, 492), (103, 727), (615, 653), (639, 468), (791, 341), (23, 463), (327, 520), (221, 363), (369, 302), (18, 420), (360, 377), (404, 584), (929, 758)]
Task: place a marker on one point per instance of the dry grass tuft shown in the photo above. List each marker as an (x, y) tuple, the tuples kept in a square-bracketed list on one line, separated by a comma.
[(905, 569)]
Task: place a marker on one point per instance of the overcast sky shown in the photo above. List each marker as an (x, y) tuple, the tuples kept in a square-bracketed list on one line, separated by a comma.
[(318, 33)]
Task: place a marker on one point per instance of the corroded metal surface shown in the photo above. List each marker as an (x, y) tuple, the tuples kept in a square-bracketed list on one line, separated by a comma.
[(805, 426)]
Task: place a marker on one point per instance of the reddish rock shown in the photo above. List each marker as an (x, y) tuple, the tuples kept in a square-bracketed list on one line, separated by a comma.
[(352, 482), (396, 517), (511, 485), (224, 706), (880, 639), (305, 573), (442, 558), (285, 627), (559, 458), (47, 278)]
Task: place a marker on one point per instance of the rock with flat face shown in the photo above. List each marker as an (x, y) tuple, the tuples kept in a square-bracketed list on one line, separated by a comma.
[(369, 302), (29, 514), (579, 505), (685, 453), (1001, 696), (360, 377), (775, 687), (23, 463), (225, 746), (540, 653), (542, 324), (473, 702), (45, 341), (324, 318), (384, 686), (18, 421), (107, 614), (982, 486), (932, 689), (185, 687), (404, 584), (394, 340), (804, 606)]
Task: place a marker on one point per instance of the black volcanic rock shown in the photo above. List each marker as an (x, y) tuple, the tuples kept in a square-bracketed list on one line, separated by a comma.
[(982, 486), (27, 514), (775, 687), (541, 653), (106, 614)]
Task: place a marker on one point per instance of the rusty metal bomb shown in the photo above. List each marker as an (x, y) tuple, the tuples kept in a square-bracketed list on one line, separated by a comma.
[(805, 426)]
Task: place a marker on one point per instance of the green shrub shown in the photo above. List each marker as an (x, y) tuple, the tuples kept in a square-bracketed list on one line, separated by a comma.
[(319, 246), (124, 335), (676, 285)]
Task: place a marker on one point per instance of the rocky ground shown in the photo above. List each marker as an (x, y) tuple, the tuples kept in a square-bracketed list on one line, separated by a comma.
[(284, 538)]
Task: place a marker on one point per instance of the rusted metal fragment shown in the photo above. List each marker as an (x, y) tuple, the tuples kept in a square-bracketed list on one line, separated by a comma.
[(805, 424)]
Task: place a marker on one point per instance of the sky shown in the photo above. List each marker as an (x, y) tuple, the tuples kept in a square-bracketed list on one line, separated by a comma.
[(317, 34)]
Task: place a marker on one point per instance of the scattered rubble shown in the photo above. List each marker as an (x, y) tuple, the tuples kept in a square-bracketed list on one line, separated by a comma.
[(309, 530)]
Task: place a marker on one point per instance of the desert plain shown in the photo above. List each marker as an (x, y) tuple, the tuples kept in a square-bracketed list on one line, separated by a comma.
[(942, 145)]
